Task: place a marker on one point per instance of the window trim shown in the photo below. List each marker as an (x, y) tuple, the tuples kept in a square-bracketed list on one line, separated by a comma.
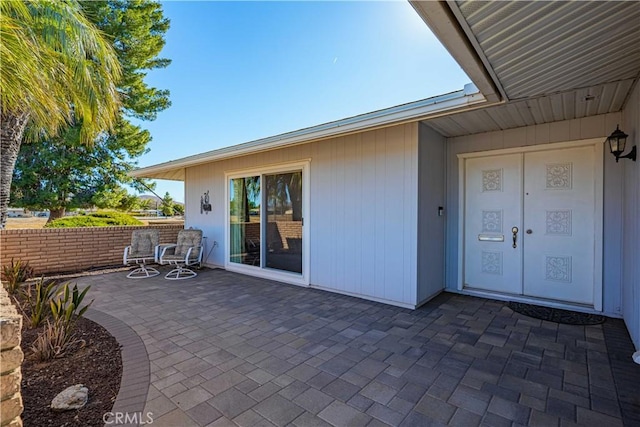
[(263, 272)]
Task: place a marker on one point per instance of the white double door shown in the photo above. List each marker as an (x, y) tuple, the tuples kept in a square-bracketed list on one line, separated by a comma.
[(530, 224)]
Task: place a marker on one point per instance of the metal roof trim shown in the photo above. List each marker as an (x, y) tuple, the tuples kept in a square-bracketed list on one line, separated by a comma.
[(471, 37), (439, 16), (413, 111)]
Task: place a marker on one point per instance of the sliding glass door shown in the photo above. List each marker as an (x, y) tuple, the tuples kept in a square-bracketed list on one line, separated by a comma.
[(284, 221), (266, 212), (244, 220)]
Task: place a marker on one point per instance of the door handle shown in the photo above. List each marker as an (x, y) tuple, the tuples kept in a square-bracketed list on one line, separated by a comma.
[(514, 230)]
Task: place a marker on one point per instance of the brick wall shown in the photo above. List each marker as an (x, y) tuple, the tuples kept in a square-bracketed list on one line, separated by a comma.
[(286, 232), (61, 250), (281, 234), (11, 357), (252, 231)]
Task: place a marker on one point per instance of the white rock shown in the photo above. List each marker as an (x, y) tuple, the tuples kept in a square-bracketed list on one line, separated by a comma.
[(74, 397)]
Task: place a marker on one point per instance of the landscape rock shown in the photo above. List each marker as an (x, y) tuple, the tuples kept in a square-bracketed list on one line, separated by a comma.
[(74, 397)]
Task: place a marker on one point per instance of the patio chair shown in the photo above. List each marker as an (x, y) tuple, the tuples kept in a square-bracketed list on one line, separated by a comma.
[(185, 253), (143, 249)]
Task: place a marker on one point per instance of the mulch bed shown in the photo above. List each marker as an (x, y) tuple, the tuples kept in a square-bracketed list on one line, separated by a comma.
[(97, 365)]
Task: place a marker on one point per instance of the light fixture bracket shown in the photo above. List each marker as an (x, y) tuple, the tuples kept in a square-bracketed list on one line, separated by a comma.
[(631, 155)]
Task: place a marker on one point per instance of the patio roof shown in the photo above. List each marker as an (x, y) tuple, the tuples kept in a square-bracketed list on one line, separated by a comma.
[(549, 61)]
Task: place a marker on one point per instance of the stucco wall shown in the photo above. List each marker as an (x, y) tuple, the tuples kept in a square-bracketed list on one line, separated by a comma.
[(57, 250), (570, 130), (631, 219), (363, 210)]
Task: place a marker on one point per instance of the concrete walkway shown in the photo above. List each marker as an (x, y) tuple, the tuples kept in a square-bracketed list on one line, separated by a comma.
[(227, 349)]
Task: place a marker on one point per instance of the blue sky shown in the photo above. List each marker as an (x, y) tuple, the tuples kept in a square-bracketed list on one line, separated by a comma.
[(247, 70)]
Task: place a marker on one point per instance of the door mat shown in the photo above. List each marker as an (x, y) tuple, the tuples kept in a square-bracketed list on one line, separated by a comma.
[(556, 315)]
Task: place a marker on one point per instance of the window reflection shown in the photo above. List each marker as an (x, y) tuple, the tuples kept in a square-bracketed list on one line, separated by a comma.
[(281, 195), (244, 219), (284, 221)]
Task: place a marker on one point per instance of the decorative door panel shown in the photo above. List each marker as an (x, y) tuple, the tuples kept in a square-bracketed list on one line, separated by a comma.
[(493, 207), (559, 223)]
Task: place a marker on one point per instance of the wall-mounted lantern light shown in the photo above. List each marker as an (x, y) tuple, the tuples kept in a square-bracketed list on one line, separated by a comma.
[(617, 141)]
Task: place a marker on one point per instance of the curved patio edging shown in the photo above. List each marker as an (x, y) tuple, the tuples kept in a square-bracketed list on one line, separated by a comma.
[(135, 380)]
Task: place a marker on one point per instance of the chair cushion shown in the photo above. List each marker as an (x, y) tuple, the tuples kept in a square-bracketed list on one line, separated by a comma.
[(188, 239), (143, 243)]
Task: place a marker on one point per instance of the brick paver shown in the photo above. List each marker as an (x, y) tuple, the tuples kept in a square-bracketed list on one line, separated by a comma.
[(228, 349)]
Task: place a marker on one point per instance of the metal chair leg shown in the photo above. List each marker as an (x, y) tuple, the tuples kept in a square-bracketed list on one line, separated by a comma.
[(180, 272), (142, 272)]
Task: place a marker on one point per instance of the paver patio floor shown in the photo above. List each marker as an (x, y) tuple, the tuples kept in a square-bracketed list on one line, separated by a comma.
[(228, 349)]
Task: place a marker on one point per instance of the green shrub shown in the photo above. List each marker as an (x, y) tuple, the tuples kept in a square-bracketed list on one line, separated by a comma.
[(14, 274), (65, 306), (39, 301), (118, 218), (76, 221), (95, 219)]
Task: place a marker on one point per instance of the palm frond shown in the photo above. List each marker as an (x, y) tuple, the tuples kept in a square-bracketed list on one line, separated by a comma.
[(55, 65)]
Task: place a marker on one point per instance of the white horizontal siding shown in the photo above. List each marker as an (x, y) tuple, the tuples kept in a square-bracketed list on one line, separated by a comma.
[(363, 210), (592, 127)]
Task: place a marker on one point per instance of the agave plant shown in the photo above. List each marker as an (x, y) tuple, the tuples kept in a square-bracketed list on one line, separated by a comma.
[(53, 342), (66, 309), (14, 274), (39, 300)]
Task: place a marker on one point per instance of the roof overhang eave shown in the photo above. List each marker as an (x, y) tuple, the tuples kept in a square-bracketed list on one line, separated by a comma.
[(169, 174), (411, 112)]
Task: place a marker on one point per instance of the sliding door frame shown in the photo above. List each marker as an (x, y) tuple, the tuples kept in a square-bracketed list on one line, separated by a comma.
[(259, 271)]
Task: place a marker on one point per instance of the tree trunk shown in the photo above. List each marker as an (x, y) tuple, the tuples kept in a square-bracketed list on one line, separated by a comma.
[(295, 192), (245, 200), (56, 213), (296, 207), (12, 128)]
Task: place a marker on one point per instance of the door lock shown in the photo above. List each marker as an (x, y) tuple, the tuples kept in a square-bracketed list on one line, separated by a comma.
[(529, 231), (514, 230)]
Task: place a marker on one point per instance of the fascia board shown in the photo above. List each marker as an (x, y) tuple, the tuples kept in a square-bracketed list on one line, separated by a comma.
[(415, 111)]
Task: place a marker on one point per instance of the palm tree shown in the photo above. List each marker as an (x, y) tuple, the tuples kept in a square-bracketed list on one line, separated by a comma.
[(56, 69)]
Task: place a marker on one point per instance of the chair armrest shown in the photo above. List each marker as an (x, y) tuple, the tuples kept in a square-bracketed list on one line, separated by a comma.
[(126, 254), (198, 258), (186, 257), (162, 249)]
